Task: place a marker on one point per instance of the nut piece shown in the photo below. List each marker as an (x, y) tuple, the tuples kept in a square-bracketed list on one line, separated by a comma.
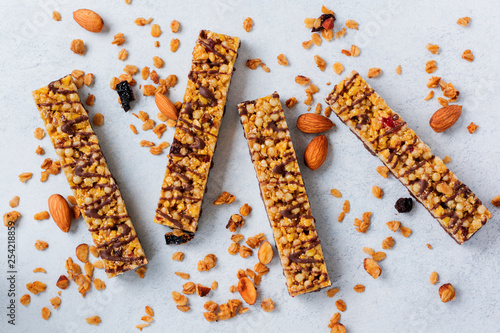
[(94, 320), (447, 293), (82, 252), (166, 106), (224, 198), (316, 152), (265, 253), (62, 282), (267, 305), (372, 268), (88, 20), (59, 209), (496, 201), (247, 290), (433, 279), (202, 291), (313, 123)]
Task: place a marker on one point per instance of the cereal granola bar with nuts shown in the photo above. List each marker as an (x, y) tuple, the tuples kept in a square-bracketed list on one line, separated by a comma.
[(284, 194), (195, 137), (94, 188), (426, 177)]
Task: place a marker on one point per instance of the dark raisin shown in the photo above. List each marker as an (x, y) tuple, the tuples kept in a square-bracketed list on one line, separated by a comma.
[(126, 94), (404, 205), (327, 22), (177, 237)]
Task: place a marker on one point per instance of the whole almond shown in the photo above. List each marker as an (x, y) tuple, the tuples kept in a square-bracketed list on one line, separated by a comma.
[(313, 123), (265, 253), (59, 209), (445, 117), (247, 290), (316, 151), (166, 106), (88, 20)]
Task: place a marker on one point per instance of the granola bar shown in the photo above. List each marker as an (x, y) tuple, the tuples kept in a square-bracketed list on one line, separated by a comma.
[(284, 194), (426, 177), (94, 188), (195, 137)]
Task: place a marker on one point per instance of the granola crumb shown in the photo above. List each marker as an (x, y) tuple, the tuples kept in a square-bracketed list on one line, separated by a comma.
[(383, 171), (178, 256), (307, 44), (463, 21), (56, 16), (141, 271), (39, 270), (433, 278), (302, 80), (359, 288), (332, 292), (336, 193), (340, 304), (56, 302), (282, 60), (45, 313), (351, 24), (430, 66), (182, 275), (338, 68), (393, 225), (374, 72), (14, 202), (355, 51), (39, 133), (90, 100), (149, 311), (245, 210), (290, 103), (174, 44), (224, 198), (25, 299), (467, 55), (320, 62), (10, 218), (267, 305), (447, 292), (133, 129), (214, 285), (248, 24), (429, 95), (341, 217), (442, 101), (377, 192), (94, 320), (388, 243), (316, 39), (472, 127), (155, 30), (157, 62), (41, 245), (123, 55), (118, 39), (433, 48), (346, 207), (141, 21), (174, 26), (39, 151), (398, 70), (77, 46), (429, 246), (406, 232)]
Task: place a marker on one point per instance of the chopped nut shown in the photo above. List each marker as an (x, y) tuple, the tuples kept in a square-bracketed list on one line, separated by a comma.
[(41, 216), (332, 292), (123, 54), (433, 48), (141, 271), (379, 256), (472, 127), (253, 63), (41, 245), (359, 288), (248, 24), (406, 232), (10, 218), (184, 276), (463, 21), (377, 192), (393, 225), (351, 24), (355, 51), (25, 299), (320, 62), (340, 304), (338, 68), (45, 313), (267, 305), (82, 252), (155, 30), (282, 60), (93, 250), (388, 243), (336, 193), (245, 210), (398, 70), (157, 62), (372, 268), (174, 44), (77, 46), (374, 72), (430, 66), (433, 279), (202, 291), (94, 320), (447, 293), (224, 198), (98, 119), (174, 26)]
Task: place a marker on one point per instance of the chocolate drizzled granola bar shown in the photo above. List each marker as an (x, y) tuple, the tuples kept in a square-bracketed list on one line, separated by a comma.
[(195, 137), (426, 177), (94, 188), (284, 194)]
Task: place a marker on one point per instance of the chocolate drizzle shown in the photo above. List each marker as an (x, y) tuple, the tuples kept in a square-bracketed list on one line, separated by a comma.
[(67, 127), (295, 256)]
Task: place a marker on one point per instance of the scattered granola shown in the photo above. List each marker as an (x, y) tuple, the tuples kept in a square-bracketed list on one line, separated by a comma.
[(45, 313), (433, 48), (10, 218), (39, 133), (56, 302), (207, 263), (56, 16), (36, 287), (429, 95), (39, 270), (377, 192), (157, 62), (374, 72), (25, 299), (41, 216), (174, 44), (119, 39), (355, 51), (123, 55), (393, 225), (334, 320), (336, 193), (245, 210), (94, 320), (341, 217), (398, 70), (141, 21), (77, 46), (372, 267), (406, 232), (182, 275), (467, 55), (383, 171), (351, 24), (340, 304), (433, 278), (447, 293), (253, 63), (282, 60), (463, 21), (430, 66), (338, 68), (446, 159), (41, 245), (248, 24), (388, 243), (39, 151), (224, 198), (155, 30), (379, 256), (141, 271), (332, 292), (320, 62), (359, 288), (346, 207), (174, 26), (472, 127), (235, 221), (267, 305)]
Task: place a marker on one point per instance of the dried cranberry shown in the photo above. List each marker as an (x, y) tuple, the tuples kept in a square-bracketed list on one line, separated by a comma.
[(126, 94), (327, 22), (404, 205), (388, 122), (178, 238)]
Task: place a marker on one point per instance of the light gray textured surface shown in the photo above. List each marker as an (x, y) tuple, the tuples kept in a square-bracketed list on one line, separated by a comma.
[(35, 50)]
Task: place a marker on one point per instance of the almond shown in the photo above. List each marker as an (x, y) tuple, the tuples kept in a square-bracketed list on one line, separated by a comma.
[(88, 20), (313, 123), (445, 117), (316, 151), (166, 106), (247, 290), (265, 253), (59, 209)]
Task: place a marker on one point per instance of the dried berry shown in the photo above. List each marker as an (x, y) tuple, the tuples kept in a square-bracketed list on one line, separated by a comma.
[(126, 94), (404, 205), (327, 22), (178, 237)]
